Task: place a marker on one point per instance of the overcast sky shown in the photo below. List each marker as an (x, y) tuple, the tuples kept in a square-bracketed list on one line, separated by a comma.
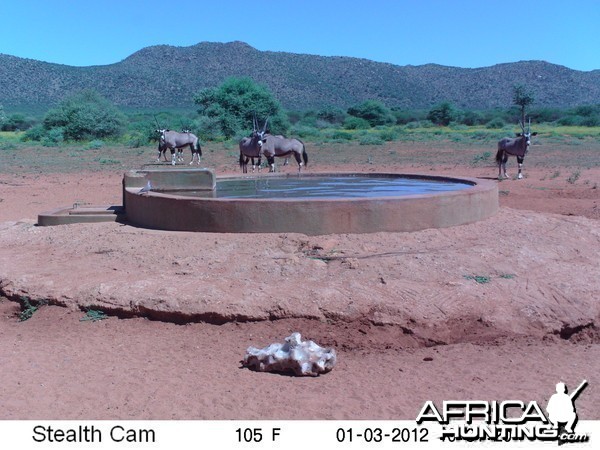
[(462, 33)]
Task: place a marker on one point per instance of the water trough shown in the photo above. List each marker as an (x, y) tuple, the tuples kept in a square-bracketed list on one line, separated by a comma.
[(313, 204)]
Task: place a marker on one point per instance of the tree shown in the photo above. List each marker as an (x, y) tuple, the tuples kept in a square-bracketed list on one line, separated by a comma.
[(331, 115), (442, 114), (85, 115), (522, 97), (15, 122), (234, 103), (374, 112)]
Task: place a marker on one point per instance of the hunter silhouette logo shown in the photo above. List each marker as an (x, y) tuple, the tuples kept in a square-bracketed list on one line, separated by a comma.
[(509, 420), (561, 409)]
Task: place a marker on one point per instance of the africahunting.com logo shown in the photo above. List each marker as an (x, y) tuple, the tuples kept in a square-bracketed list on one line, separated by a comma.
[(510, 420)]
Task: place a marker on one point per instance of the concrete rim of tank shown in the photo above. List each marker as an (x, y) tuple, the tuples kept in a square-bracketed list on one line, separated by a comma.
[(315, 216)]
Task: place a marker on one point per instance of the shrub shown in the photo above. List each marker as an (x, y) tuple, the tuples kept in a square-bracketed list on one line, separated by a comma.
[(545, 115), (389, 134), (442, 114), (591, 121), (135, 139), (35, 133), (374, 112), (53, 137), (86, 115), (495, 124), (404, 117), (342, 135), (331, 116), (16, 122), (234, 103), (471, 118), (209, 128), (356, 123)]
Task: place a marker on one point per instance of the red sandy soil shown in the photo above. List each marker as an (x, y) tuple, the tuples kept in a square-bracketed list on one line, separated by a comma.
[(408, 323)]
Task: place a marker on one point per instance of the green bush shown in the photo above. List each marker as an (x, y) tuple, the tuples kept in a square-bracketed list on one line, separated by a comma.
[(232, 106), (540, 115), (209, 128), (16, 122), (342, 135), (442, 114), (389, 134), (404, 117), (356, 123), (472, 118), (495, 124), (374, 112), (53, 138), (86, 115), (35, 133), (591, 121), (135, 139), (331, 116)]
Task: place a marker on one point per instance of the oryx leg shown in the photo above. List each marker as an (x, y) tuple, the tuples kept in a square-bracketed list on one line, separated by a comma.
[(504, 160), (180, 154), (161, 151), (520, 160), (195, 156), (271, 162), (173, 156), (286, 161), (299, 161)]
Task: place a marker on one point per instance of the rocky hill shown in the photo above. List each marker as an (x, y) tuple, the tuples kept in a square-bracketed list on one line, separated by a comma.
[(168, 77)]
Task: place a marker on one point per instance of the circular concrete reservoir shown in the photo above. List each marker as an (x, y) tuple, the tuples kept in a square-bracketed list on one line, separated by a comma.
[(313, 204)]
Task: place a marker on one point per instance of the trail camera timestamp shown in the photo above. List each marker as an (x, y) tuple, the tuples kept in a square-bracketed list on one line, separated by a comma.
[(399, 434)]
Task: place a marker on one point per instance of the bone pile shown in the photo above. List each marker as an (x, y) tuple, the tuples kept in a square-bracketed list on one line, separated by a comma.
[(292, 356)]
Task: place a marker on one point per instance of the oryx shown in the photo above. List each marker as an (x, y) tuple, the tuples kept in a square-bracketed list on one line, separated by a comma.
[(250, 147), (516, 147), (283, 147), (176, 142)]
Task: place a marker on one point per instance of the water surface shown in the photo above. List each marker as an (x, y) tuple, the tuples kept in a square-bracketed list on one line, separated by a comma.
[(313, 187)]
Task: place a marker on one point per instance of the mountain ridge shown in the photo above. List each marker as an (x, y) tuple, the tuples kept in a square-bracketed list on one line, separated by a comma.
[(165, 76)]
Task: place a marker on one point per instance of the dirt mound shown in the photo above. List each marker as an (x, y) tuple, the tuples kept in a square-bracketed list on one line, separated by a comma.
[(518, 273)]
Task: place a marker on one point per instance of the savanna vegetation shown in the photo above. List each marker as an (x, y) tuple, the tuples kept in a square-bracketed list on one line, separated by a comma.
[(225, 114)]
